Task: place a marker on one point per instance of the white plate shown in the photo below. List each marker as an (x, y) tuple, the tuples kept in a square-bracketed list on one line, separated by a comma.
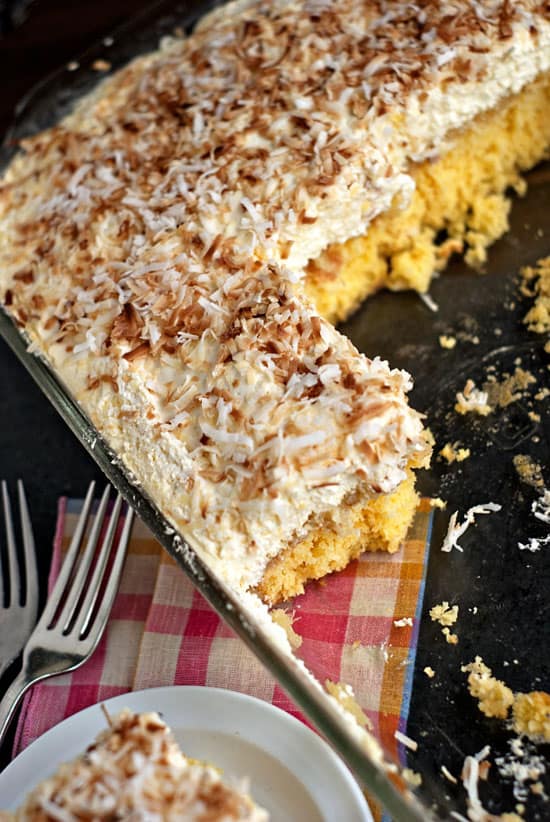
[(293, 773)]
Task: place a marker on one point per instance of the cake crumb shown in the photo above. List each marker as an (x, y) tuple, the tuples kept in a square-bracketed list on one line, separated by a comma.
[(429, 671), (437, 502), (509, 389), (447, 342), (412, 777), (444, 613), (528, 470), (531, 715), (536, 283), (286, 621), (452, 453), (472, 400), (343, 693), (494, 697), (542, 394), (451, 638), (534, 416)]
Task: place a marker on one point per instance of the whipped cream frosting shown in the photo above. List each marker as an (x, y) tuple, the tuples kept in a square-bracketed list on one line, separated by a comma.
[(153, 244)]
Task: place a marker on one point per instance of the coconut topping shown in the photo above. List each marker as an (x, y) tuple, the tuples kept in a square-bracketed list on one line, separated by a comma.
[(136, 770), (153, 243)]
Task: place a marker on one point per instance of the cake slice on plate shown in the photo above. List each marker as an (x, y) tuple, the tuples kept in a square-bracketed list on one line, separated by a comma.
[(135, 770), (176, 247)]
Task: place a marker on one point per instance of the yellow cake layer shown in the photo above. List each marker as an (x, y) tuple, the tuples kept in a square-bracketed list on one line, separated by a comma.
[(462, 193), (379, 524)]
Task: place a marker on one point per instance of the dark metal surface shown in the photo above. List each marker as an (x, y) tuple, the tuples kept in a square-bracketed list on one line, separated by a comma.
[(502, 592)]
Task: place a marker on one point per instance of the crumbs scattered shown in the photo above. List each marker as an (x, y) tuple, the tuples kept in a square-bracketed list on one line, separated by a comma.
[(451, 638), (412, 777), (541, 510), (429, 671), (444, 613), (531, 715), (494, 697), (530, 711), (536, 283), (509, 389), (437, 502), (528, 470), (524, 766), (447, 342), (472, 400), (453, 453)]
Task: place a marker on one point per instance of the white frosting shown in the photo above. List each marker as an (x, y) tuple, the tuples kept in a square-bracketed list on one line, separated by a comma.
[(153, 247)]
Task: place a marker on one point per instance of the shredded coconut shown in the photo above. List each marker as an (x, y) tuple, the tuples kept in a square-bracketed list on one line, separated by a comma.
[(455, 531)]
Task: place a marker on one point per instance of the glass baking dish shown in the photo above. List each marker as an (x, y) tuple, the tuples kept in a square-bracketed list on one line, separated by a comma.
[(484, 314)]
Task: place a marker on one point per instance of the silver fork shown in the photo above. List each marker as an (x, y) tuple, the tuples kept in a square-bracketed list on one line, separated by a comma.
[(78, 607), (18, 614)]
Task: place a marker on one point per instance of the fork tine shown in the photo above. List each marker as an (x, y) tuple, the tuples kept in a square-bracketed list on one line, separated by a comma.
[(31, 575), (98, 624), (97, 576), (65, 572), (13, 564), (77, 586)]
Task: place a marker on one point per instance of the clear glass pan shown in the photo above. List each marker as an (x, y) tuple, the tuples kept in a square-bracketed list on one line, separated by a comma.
[(372, 332)]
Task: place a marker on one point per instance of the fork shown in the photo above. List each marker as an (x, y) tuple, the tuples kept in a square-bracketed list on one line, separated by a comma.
[(79, 605), (18, 613)]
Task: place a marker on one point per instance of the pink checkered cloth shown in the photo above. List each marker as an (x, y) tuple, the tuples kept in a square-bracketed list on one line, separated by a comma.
[(162, 632)]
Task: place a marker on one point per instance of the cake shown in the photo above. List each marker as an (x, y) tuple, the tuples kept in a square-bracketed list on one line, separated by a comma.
[(135, 770), (179, 246)]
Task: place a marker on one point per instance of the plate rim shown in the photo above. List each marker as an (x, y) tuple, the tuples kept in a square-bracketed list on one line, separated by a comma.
[(15, 770)]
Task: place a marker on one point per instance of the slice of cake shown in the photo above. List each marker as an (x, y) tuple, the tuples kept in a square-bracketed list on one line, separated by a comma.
[(175, 247), (135, 770)]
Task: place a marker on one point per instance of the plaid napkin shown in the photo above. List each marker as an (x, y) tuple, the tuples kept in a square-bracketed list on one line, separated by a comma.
[(162, 632)]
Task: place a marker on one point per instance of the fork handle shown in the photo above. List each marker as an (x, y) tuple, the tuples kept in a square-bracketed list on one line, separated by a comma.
[(11, 700)]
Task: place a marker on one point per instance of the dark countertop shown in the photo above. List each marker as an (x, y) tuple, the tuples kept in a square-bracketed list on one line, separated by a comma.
[(503, 594)]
